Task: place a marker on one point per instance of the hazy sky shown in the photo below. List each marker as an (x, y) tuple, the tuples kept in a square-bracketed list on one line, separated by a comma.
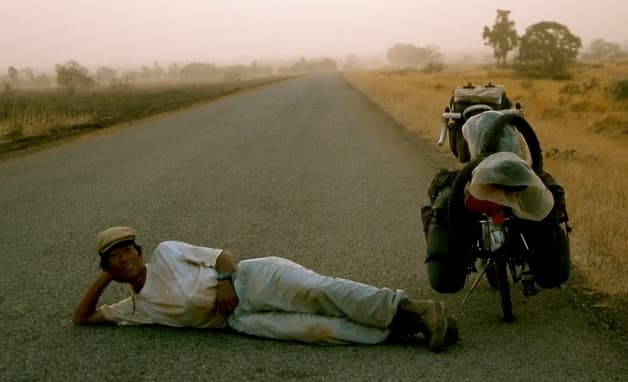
[(40, 33)]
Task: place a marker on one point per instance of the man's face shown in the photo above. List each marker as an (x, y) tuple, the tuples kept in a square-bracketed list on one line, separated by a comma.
[(125, 263)]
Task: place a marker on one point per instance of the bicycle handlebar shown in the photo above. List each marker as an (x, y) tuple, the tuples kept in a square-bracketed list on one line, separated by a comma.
[(443, 121), (466, 114)]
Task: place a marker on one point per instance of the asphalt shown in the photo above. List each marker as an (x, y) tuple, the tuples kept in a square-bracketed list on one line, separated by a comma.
[(305, 169)]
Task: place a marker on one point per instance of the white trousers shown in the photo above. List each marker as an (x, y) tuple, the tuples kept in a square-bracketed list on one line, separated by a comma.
[(283, 300)]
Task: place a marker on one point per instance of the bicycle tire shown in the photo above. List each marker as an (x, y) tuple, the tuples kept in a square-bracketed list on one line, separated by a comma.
[(490, 142), (504, 288), (462, 150), (455, 135)]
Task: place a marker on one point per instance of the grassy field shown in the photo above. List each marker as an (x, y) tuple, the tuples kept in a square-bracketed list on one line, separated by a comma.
[(583, 130), (29, 117)]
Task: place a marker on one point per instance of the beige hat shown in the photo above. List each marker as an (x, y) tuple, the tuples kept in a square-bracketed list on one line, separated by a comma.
[(112, 236), (508, 169)]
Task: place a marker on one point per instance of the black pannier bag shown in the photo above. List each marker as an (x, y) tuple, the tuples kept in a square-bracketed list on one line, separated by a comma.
[(549, 240), (447, 270)]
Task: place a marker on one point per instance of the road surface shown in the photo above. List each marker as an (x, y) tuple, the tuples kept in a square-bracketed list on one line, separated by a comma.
[(305, 169)]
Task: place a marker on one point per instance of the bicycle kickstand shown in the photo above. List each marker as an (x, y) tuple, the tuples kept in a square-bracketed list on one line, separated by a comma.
[(477, 281)]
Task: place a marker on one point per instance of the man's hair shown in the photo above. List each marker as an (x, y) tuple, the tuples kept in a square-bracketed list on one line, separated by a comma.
[(104, 257)]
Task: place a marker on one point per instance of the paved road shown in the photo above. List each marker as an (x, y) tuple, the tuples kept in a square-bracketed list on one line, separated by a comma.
[(306, 169)]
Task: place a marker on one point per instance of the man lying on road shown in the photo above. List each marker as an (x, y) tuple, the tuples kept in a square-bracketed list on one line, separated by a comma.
[(190, 286)]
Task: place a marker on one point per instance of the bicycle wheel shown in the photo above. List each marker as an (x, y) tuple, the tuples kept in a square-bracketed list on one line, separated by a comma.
[(462, 150), (491, 275), (504, 288), (490, 142)]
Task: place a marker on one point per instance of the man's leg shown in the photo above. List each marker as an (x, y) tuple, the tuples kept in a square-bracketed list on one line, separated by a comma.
[(273, 284), (276, 284), (305, 327)]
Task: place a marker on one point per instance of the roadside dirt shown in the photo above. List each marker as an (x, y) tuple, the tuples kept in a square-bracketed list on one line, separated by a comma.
[(611, 311), (29, 145)]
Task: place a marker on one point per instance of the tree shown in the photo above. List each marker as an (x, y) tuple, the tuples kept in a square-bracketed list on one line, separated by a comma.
[(43, 80), (148, 73), (601, 49), (200, 71), (352, 63), (157, 72), (310, 66), (502, 37), (173, 71), (411, 55), (27, 77), (547, 49), (106, 75), (72, 76), (260, 69), (145, 73), (326, 65), (235, 73), (14, 77), (129, 76)]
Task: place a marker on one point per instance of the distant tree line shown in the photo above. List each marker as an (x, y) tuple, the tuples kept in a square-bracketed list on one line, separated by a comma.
[(73, 76), (25, 78), (604, 50), (546, 49)]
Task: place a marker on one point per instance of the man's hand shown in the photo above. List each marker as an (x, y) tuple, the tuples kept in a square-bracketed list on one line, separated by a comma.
[(86, 313), (226, 299)]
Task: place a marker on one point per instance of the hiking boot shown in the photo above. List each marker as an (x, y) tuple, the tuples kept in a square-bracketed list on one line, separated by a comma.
[(428, 317)]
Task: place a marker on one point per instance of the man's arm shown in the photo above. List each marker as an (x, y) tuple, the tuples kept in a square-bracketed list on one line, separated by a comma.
[(86, 312), (226, 299)]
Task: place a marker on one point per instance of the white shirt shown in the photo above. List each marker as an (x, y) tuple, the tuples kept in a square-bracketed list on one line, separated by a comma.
[(180, 290)]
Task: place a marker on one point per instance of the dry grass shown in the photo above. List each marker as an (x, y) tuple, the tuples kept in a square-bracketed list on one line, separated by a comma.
[(584, 134), (28, 116)]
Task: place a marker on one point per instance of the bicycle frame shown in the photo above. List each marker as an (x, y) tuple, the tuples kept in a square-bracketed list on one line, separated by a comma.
[(496, 246)]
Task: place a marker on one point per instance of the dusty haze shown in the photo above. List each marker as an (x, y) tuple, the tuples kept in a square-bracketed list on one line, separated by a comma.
[(40, 33)]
